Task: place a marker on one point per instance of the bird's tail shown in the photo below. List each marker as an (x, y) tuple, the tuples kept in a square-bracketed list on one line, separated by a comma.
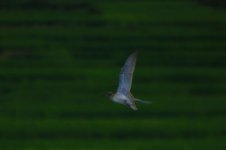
[(142, 101)]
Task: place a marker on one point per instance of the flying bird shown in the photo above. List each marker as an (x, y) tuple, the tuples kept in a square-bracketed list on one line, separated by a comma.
[(123, 94)]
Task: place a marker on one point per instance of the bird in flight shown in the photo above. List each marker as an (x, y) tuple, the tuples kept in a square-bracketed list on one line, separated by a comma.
[(123, 95)]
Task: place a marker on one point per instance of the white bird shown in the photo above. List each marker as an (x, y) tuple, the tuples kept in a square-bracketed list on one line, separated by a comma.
[(123, 95)]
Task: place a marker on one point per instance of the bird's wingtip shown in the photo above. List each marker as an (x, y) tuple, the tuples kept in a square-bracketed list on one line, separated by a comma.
[(135, 51)]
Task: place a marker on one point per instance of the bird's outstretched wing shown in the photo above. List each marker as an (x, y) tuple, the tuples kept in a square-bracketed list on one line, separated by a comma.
[(126, 74)]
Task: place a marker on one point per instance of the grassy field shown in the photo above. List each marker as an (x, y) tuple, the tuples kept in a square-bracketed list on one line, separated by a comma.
[(59, 58)]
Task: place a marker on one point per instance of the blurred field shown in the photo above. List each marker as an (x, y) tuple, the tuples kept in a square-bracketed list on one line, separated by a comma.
[(59, 58)]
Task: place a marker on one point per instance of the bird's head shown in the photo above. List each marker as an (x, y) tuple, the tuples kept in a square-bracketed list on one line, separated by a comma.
[(110, 95)]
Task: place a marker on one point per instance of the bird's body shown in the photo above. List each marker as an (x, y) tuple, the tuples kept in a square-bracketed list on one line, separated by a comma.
[(120, 98), (124, 99), (123, 95)]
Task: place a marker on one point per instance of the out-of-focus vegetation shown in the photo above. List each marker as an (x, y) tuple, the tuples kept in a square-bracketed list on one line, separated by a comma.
[(213, 3), (58, 59)]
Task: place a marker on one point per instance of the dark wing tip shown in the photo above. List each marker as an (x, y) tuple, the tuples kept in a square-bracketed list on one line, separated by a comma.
[(134, 54)]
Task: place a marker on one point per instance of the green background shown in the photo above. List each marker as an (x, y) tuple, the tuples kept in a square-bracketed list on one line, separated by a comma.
[(59, 58)]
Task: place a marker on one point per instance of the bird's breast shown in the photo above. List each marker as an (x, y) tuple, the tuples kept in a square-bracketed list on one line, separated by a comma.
[(120, 98)]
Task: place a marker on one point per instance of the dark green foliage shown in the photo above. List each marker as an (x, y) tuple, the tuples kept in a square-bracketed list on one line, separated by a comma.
[(213, 3), (58, 59)]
